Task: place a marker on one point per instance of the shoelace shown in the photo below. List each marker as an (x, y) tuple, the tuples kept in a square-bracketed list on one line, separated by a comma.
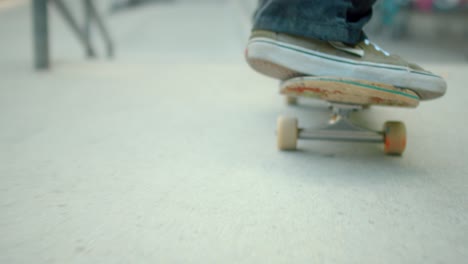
[(376, 47)]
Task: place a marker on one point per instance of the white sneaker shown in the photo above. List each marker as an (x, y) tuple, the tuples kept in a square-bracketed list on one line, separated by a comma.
[(284, 56)]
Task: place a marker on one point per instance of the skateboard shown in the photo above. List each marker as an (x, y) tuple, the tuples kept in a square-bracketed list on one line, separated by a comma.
[(345, 96)]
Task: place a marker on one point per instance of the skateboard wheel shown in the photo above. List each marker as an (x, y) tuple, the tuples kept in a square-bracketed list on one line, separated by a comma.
[(291, 100), (394, 138), (287, 133)]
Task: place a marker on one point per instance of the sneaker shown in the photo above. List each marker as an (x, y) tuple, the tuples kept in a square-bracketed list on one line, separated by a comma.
[(284, 56)]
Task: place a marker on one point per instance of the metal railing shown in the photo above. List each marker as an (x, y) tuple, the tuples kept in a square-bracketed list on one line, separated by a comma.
[(83, 33)]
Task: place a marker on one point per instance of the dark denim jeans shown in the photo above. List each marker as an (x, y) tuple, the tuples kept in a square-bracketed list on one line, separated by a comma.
[(332, 20)]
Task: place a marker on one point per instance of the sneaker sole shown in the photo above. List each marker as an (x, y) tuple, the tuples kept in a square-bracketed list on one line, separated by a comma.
[(284, 61)]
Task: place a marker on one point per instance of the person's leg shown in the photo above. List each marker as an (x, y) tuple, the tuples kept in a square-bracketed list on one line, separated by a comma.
[(332, 20), (325, 38)]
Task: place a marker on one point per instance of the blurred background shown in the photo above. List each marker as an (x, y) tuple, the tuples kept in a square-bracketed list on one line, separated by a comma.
[(152, 30), (133, 131)]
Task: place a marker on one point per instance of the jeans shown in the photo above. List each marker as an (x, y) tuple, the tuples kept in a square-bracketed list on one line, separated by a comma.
[(330, 20)]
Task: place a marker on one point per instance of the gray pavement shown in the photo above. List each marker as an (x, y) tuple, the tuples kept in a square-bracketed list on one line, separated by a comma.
[(167, 154)]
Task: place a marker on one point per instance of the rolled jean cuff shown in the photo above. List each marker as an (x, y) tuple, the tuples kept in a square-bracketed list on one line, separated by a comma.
[(322, 31)]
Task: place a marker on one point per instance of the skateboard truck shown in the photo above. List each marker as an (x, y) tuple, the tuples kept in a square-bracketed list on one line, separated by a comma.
[(341, 128)]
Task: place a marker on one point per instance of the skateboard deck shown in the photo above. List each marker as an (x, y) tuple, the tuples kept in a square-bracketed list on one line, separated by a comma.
[(345, 96), (349, 91)]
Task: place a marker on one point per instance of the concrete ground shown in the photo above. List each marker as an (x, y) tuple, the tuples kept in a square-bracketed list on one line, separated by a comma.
[(167, 154)]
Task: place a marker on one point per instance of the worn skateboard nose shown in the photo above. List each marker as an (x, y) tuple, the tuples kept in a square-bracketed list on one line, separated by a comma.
[(345, 97)]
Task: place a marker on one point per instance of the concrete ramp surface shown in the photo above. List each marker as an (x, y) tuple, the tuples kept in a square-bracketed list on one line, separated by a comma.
[(166, 155)]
